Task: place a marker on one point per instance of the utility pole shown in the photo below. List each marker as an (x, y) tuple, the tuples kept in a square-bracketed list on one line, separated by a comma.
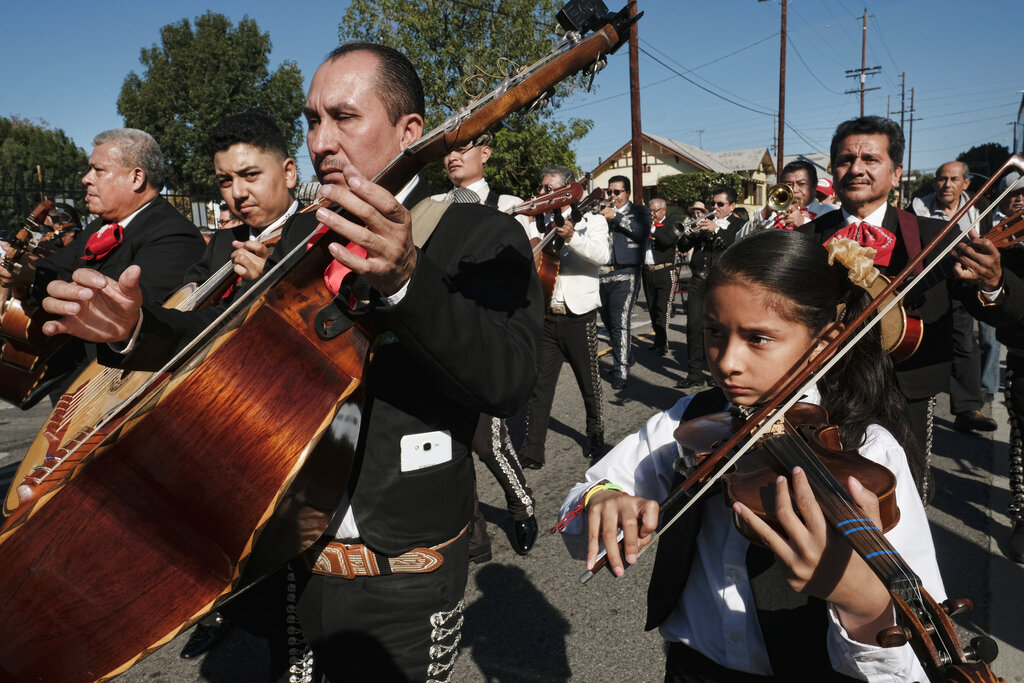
[(910, 144), (1013, 150), (634, 102), (863, 71), (779, 150), (903, 108)]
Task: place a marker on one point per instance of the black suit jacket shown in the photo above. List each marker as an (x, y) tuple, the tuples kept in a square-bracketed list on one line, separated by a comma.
[(927, 372), (628, 232), (159, 239), (460, 342), (218, 252), (663, 242), (708, 246)]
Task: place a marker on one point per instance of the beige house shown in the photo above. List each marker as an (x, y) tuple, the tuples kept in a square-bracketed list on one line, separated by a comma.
[(663, 157)]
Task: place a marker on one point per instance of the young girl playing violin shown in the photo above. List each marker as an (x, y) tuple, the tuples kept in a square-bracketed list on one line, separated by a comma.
[(727, 612)]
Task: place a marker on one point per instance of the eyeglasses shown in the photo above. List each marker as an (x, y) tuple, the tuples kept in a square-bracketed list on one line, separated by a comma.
[(614, 192), (544, 189), (721, 203)]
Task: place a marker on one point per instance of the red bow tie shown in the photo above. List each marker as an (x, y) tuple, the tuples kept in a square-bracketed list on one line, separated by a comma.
[(102, 242), (867, 235)]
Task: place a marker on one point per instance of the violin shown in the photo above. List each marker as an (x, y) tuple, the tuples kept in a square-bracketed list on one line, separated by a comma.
[(921, 621), (805, 427), (804, 438)]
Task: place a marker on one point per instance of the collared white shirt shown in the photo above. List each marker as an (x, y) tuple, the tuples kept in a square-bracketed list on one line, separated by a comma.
[(715, 614), (927, 206), (875, 218)]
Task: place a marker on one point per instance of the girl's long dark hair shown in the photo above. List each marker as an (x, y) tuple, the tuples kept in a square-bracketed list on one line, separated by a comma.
[(861, 389)]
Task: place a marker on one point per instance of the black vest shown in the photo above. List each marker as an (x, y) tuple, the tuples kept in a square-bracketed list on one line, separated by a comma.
[(794, 626)]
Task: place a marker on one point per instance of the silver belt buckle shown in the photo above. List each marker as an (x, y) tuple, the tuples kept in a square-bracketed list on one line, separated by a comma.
[(558, 309)]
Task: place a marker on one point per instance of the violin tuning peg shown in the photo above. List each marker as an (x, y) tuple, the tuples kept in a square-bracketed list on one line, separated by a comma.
[(957, 606), (894, 636), (982, 649)]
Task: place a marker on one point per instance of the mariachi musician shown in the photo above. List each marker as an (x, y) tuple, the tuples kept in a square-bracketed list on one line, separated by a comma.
[(866, 160), (457, 320), (465, 166), (134, 225), (570, 322)]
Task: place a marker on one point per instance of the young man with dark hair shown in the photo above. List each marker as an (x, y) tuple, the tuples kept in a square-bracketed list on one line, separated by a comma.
[(459, 317), (628, 227), (256, 178)]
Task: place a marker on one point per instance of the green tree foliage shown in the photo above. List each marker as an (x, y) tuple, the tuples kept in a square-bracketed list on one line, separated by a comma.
[(24, 146), (683, 189), (197, 77), (920, 184), (450, 42), (985, 159)]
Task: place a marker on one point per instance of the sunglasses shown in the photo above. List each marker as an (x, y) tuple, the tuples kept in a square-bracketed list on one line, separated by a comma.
[(615, 192), (721, 203), (544, 189)]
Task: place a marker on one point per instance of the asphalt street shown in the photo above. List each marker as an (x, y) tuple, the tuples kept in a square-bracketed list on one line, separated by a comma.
[(529, 618)]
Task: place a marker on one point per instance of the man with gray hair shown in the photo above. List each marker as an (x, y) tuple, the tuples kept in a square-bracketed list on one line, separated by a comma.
[(966, 396), (570, 321), (134, 225), (657, 272)]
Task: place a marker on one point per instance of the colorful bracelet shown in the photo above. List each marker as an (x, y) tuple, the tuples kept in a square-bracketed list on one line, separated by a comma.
[(603, 486)]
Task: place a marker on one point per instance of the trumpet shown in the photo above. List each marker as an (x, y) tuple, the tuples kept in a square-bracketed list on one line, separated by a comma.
[(688, 226), (780, 197)]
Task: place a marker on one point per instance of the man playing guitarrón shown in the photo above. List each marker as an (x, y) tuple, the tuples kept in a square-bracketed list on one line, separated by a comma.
[(461, 315)]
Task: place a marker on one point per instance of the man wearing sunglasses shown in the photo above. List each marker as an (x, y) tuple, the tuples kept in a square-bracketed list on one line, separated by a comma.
[(628, 227), (710, 238)]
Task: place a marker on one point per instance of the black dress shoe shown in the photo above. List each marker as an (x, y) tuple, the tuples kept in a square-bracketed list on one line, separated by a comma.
[(618, 383), (524, 531), (528, 464), (206, 633), (595, 446), (974, 421), (480, 555), (1015, 549), (689, 382), (658, 349)]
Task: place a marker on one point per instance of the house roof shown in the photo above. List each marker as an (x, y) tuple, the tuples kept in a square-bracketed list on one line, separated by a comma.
[(718, 162), (698, 156), (745, 159)]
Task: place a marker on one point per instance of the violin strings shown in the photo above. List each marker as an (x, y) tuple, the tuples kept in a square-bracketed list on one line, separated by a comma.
[(882, 552)]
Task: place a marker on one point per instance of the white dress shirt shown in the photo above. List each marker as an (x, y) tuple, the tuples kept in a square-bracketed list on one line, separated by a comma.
[(715, 614)]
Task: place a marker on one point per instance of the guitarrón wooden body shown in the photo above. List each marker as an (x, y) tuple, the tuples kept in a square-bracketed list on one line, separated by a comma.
[(153, 528)]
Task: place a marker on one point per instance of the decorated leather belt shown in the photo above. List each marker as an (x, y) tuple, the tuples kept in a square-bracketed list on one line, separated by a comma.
[(658, 266), (611, 269), (347, 561)]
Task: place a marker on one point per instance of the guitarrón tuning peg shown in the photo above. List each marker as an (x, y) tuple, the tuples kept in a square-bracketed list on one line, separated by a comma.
[(983, 649), (894, 636), (957, 606)]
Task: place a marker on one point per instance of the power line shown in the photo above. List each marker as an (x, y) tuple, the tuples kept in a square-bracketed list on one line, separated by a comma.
[(715, 93), (813, 75)]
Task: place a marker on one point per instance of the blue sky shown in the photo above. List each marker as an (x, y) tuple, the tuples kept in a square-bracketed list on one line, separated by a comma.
[(64, 62)]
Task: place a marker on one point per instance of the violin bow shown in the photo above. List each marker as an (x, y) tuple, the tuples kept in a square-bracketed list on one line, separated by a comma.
[(712, 468)]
